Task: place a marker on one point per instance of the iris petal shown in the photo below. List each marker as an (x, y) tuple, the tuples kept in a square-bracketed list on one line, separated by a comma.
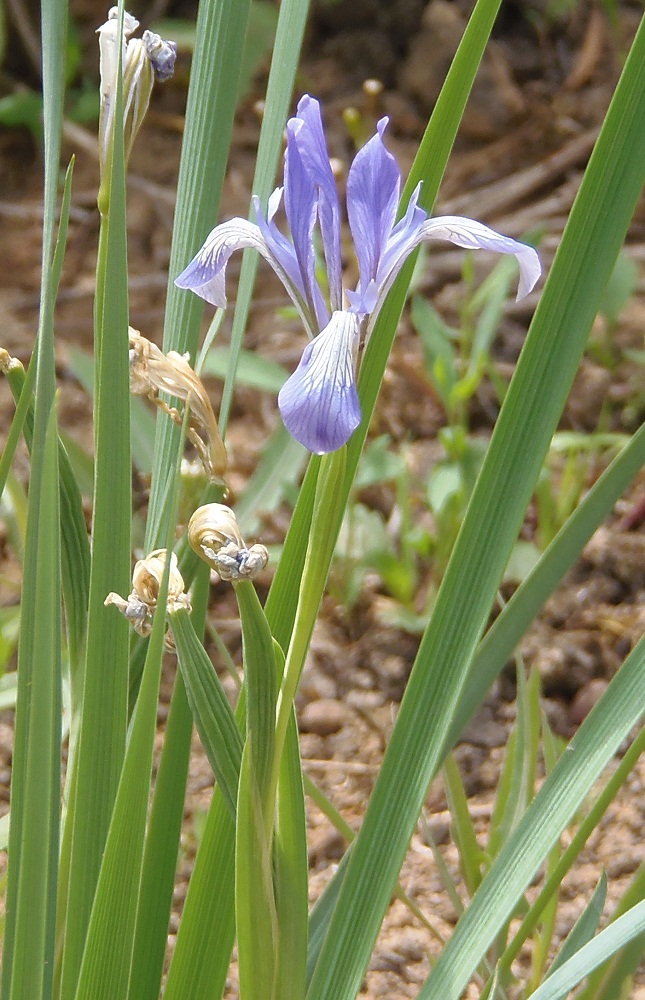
[(373, 185), (309, 137), (467, 233), (205, 275), (301, 207), (319, 403)]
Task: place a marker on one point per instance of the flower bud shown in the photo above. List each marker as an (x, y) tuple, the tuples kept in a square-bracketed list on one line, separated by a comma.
[(143, 60), (213, 533)]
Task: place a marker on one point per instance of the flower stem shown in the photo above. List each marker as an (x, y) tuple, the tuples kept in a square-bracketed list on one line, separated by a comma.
[(328, 509)]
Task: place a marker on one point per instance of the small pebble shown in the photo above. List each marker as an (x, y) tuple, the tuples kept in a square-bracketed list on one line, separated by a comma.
[(586, 698), (322, 717)]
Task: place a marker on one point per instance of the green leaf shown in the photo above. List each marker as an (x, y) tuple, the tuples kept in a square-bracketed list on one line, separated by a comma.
[(165, 825), (211, 710), (593, 954), (261, 690), (102, 731), (263, 19), (256, 920), (252, 369), (463, 830), (107, 956), (36, 774), (584, 928), (291, 871)]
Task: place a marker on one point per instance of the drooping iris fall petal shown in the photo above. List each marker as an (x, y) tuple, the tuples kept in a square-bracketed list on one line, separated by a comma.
[(319, 403)]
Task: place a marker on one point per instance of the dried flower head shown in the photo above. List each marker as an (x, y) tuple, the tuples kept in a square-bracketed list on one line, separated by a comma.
[(139, 608), (7, 363), (152, 372), (214, 534)]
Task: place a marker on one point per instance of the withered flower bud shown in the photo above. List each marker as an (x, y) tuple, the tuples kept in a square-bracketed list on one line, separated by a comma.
[(214, 535), (152, 372), (140, 605)]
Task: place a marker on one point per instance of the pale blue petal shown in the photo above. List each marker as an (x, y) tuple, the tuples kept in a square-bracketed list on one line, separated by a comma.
[(465, 233), (319, 403), (205, 275), (373, 185), (301, 207), (309, 135)]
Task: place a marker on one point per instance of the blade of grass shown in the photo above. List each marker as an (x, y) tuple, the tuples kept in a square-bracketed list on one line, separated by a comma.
[(563, 865), (101, 739), (107, 956), (33, 839), (212, 713), (609, 979), (35, 800), (202, 953), (291, 870), (593, 954), (259, 661), (164, 827), (584, 928), (255, 914)]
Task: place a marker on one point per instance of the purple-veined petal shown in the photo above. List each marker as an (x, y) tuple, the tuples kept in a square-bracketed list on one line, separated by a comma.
[(364, 300), (205, 275), (465, 233), (373, 185), (319, 403), (301, 207), (309, 135)]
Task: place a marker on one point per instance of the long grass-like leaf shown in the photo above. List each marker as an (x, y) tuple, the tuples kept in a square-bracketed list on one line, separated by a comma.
[(212, 713), (164, 828), (255, 914), (597, 951), (552, 809), (28, 955), (584, 928), (101, 740), (291, 872), (35, 801)]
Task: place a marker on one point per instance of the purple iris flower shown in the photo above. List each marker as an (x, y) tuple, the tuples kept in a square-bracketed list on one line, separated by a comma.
[(319, 403)]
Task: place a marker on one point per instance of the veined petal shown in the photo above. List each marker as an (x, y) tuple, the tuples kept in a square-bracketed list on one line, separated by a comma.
[(465, 233), (301, 207), (205, 275), (365, 299), (309, 136), (474, 235), (319, 403), (373, 186)]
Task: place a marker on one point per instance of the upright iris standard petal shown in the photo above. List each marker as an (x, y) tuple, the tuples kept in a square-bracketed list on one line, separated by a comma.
[(309, 136), (319, 403), (373, 186), (467, 233), (300, 203)]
